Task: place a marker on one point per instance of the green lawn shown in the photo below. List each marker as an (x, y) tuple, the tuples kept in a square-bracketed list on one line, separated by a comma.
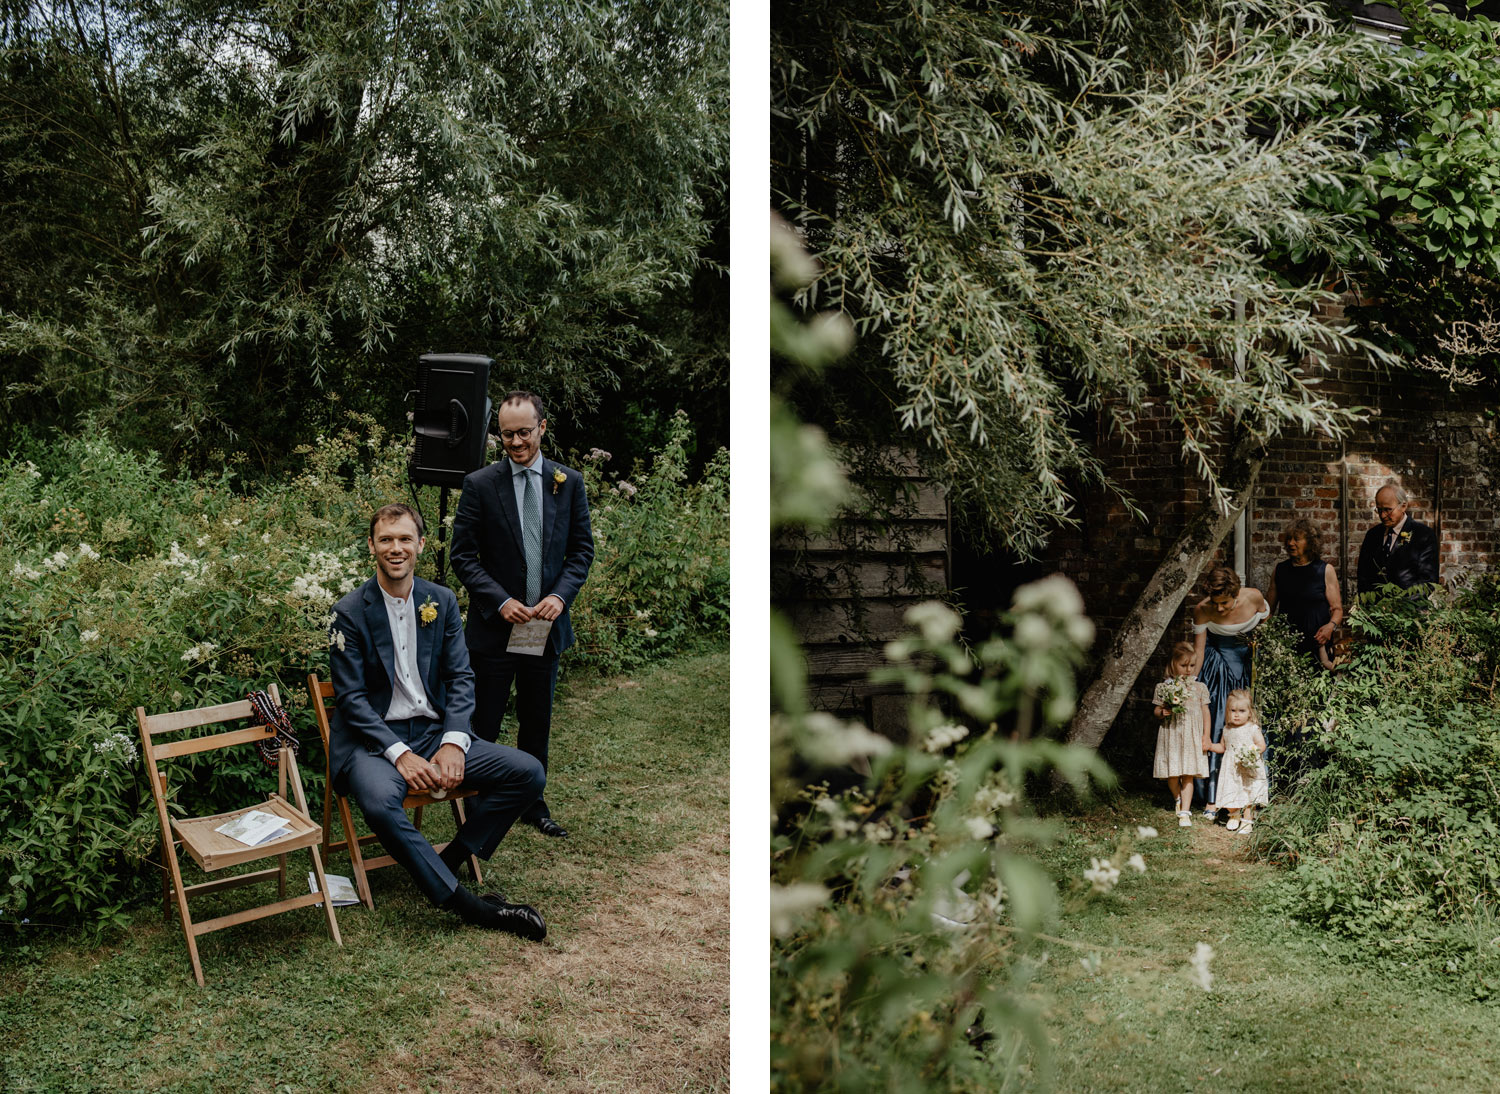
[(629, 991), (1289, 1010)]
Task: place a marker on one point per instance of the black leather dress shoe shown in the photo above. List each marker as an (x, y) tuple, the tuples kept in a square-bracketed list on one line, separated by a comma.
[(549, 827), (519, 919)]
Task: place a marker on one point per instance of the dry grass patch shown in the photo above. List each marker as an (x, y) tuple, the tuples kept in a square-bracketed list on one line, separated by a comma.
[(634, 998)]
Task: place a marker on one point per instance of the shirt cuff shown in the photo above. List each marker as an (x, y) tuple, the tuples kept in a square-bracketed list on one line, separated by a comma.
[(462, 740), (396, 751)]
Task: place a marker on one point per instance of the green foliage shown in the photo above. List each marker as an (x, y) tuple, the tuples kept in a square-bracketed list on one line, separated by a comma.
[(131, 587), (1391, 836), (236, 207), (661, 556), (907, 907), (1040, 242)]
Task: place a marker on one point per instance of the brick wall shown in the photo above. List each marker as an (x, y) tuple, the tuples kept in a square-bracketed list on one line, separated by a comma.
[(1442, 446)]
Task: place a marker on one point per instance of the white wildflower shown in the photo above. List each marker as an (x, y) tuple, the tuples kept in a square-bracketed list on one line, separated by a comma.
[(937, 622), (265, 537), (1145, 831), (90, 635), (979, 828), (117, 743), (336, 639), (20, 569), (826, 740), (1136, 863), (85, 551), (991, 798), (55, 562), (1202, 975), (943, 736), (878, 833), (642, 614), (200, 652), (201, 541), (625, 488), (650, 632), (1102, 875), (792, 903), (176, 556), (31, 470)]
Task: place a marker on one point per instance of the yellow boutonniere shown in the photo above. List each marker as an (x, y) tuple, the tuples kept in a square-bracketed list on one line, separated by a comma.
[(1404, 536), (428, 611), (558, 478)]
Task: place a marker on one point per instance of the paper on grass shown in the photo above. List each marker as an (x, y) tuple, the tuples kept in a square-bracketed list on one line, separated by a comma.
[(256, 827), (530, 637), (340, 886)]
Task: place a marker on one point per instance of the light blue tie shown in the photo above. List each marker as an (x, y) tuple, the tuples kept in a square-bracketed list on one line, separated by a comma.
[(531, 538)]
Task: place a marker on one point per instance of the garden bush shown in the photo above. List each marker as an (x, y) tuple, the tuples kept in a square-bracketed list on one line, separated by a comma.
[(133, 588), (1390, 827)]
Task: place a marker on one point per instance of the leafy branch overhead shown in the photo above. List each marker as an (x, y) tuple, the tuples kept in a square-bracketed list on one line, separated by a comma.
[(1042, 246)]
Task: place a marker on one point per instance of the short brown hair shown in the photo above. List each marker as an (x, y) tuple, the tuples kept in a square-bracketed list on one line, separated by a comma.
[(1304, 526), (395, 512), (1222, 581), (527, 397)]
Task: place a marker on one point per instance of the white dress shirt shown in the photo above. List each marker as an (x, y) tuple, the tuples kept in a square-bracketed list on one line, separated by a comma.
[(408, 698)]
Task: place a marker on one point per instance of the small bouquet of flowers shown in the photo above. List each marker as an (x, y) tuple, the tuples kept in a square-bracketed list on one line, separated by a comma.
[(1175, 694), (1247, 756)]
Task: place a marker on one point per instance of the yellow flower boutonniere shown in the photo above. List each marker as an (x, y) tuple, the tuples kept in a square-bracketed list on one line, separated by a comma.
[(558, 478), (1404, 537), (428, 611)]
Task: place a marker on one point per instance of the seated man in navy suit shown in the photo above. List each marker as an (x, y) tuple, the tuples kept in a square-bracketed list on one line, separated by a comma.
[(1398, 550), (404, 697)]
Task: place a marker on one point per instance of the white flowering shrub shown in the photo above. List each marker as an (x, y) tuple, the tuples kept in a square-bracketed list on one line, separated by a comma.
[(906, 908), (661, 556)]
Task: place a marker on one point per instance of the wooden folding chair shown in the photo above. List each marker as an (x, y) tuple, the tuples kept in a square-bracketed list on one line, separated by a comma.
[(318, 693), (213, 850)]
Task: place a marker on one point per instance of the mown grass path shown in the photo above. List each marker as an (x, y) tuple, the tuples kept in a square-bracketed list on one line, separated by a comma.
[(1290, 1010), (629, 992)]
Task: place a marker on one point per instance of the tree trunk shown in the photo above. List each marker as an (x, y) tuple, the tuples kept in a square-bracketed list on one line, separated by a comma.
[(1161, 600)]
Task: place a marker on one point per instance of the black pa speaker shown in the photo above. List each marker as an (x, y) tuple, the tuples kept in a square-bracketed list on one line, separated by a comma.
[(451, 418)]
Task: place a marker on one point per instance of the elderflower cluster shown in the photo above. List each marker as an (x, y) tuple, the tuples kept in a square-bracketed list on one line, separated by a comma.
[(943, 737), (839, 822), (53, 563), (85, 551), (20, 569), (1101, 876), (991, 798), (328, 577), (88, 636), (200, 652), (117, 743)]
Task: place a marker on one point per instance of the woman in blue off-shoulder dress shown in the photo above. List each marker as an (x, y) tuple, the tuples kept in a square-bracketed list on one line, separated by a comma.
[(1222, 622)]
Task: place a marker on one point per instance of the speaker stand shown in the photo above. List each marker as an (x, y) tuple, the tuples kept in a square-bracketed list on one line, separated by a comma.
[(442, 532)]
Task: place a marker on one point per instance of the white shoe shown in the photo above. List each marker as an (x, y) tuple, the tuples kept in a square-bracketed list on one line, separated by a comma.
[(1245, 828), (1211, 813), (1234, 823), (1184, 818)]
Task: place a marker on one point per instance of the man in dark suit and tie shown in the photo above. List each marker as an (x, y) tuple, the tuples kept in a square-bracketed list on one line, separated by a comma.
[(522, 546), (404, 697), (1398, 550)]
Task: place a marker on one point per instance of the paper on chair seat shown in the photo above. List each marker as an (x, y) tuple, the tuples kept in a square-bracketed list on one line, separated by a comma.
[(255, 827), (529, 638)]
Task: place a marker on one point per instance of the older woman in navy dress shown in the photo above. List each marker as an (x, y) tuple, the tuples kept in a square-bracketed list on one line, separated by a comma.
[(1222, 622), (1305, 589)]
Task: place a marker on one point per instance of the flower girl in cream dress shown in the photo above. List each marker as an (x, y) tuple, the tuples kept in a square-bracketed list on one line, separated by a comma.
[(1242, 784)]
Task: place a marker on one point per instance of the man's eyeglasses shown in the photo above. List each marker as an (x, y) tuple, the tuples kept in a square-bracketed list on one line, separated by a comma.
[(512, 434), (1384, 509)]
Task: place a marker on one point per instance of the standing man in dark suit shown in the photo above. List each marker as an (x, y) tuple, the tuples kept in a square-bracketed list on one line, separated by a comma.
[(1398, 550), (404, 696), (522, 546)]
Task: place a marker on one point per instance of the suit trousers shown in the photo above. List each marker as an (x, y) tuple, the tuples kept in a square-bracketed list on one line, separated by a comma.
[(507, 779), (535, 680)]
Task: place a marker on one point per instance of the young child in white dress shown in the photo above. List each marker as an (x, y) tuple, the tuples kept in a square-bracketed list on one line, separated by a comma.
[(1182, 708), (1241, 786)]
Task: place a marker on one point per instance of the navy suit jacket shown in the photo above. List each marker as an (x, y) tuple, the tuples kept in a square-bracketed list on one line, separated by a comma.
[(362, 665), (490, 558), (1412, 560)]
